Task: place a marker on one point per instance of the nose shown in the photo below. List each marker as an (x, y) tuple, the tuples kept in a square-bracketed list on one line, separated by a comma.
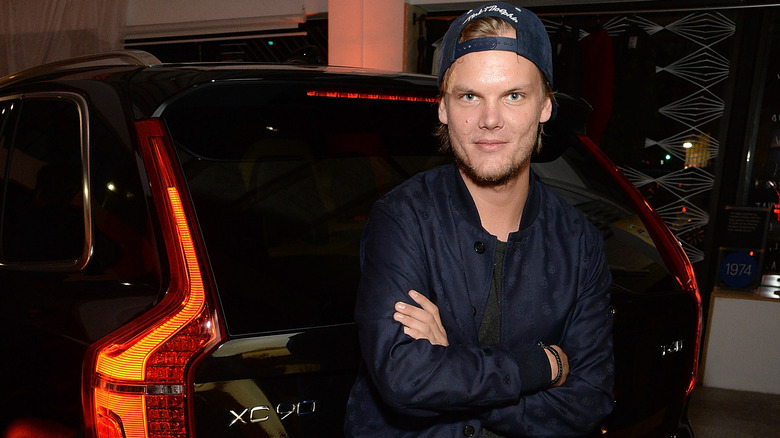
[(491, 117)]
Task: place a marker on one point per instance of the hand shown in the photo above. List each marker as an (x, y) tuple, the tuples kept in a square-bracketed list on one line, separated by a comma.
[(421, 323), (554, 365)]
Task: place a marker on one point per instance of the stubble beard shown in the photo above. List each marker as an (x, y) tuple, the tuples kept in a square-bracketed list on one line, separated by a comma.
[(497, 178)]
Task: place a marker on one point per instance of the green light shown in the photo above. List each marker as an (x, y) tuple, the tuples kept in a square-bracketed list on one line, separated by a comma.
[(668, 157), (271, 43)]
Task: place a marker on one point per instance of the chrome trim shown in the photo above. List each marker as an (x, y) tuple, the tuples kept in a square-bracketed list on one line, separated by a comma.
[(138, 388), (137, 58), (674, 347), (770, 286), (79, 263)]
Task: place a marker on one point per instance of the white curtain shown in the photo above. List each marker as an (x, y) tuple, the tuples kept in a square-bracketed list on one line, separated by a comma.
[(34, 32)]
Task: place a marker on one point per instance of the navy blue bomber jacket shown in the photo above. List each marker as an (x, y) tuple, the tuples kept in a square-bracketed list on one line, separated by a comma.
[(426, 235)]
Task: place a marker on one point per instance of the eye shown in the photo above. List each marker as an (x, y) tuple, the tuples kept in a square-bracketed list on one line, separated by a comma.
[(468, 97), (514, 96)]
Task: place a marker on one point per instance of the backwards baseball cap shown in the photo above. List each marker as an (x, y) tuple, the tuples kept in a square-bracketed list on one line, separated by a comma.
[(531, 42)]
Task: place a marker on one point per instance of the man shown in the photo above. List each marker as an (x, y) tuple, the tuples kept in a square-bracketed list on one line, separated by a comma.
[(483, 305)]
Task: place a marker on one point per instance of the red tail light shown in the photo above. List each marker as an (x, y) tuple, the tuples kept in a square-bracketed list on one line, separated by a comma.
[(138, 379), (371, 96)]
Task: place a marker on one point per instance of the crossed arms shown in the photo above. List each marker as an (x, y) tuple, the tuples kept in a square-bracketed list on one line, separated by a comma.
[(424, 322), (424, 362)]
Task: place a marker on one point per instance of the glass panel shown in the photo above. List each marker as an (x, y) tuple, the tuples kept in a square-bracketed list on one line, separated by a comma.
[(283, 177), (657, 82), (44, 206), (765, 190), (6, 109), (634, 260)]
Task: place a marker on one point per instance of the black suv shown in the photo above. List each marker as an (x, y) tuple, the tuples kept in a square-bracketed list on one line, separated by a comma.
[(179, 247)]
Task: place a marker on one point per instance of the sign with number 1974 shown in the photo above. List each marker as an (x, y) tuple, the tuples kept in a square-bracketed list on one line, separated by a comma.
[(738, 269)]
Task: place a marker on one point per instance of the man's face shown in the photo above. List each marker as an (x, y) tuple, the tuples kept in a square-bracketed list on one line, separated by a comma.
[(492, 106)]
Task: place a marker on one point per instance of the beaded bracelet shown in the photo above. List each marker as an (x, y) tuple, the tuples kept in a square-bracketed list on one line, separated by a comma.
[(557, 361)]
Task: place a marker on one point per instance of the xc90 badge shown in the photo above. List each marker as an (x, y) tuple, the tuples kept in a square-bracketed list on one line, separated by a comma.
[(259, 414)]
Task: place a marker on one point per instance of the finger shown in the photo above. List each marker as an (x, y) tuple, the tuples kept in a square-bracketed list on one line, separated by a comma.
[(421, 323), (434, 337), (415, 312), (415, 328), (418, 329), (418, 325), (414, 333), (424, 302), (432, 312), (428, 306)]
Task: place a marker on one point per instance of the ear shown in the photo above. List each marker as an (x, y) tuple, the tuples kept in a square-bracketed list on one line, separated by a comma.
[(443, 109), (546, 112)]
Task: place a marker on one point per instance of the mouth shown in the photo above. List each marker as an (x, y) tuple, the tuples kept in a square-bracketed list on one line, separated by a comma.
[(489, 145)]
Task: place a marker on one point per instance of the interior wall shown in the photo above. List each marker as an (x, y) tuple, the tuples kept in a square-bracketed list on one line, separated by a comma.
[(153, 18), (37, 32), (739, 352), (366, 33), (414, 39)]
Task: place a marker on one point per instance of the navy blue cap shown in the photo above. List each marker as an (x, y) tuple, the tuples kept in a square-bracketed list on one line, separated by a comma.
[(531, 42)]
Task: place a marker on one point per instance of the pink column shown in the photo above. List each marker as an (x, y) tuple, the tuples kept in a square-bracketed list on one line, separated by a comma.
[(366, 33)]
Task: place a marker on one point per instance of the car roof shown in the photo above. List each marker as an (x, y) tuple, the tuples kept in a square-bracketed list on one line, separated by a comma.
[(143, 61), (151, 83)]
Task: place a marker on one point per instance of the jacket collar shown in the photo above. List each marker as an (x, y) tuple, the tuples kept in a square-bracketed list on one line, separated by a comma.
[(465, 206)]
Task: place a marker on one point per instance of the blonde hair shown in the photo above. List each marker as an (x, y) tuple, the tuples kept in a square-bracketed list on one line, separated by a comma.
[(484, 27)]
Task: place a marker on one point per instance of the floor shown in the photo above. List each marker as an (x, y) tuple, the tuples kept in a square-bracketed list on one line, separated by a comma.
[(723, 413)]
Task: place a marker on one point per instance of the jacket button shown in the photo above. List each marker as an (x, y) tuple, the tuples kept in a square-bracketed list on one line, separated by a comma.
[(479, 247), (468, 431)]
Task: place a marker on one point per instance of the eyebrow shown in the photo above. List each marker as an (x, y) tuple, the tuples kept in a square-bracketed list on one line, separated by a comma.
[(455, 89), (458, 89)]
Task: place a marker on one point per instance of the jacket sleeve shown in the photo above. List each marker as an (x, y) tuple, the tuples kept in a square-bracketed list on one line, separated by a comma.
[(412, 376), (585, 399)]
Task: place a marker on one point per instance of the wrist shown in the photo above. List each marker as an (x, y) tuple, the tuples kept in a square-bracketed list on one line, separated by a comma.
[(558, 363)]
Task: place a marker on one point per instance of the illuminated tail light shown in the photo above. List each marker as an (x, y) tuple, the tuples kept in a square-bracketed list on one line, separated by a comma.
[(138, 380), (341, 94)]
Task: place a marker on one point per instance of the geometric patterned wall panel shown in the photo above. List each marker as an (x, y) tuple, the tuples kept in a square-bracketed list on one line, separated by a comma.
[(679, 141)]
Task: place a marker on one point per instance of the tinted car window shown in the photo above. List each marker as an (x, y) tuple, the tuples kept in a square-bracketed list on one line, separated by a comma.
[(633, 258), (283, 177), (6, 127), (43, 199)]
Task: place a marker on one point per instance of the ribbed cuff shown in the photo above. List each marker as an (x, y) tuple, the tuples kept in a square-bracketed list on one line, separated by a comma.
[(535, 369)]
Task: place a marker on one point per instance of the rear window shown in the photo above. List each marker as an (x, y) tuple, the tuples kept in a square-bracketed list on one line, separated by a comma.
[(283, 176)]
